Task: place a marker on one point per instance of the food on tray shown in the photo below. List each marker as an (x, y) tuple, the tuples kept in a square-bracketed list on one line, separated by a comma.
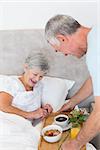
[(77, 117), (52, 132), (61, 119)]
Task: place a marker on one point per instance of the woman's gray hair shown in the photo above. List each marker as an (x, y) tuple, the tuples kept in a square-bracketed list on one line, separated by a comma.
[(60, 24), (37, 60)]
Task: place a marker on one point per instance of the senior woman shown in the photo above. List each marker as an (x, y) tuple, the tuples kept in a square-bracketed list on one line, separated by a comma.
[(21, 96)]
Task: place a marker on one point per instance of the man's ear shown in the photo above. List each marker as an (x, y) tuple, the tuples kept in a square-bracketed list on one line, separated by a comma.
[(61, 38)]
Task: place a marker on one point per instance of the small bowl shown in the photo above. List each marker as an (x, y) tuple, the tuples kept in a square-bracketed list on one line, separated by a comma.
[(61, 120), (52, 139)]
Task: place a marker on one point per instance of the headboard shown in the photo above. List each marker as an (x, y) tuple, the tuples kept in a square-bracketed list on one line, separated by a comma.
[(17, 45)]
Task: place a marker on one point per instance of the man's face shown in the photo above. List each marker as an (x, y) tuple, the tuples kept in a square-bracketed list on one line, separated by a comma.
[(74, 44)]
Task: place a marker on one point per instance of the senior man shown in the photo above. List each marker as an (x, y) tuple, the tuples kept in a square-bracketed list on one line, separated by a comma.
[(68, 36)]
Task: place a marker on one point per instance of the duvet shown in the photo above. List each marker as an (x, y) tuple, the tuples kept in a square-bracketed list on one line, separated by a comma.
[(17, 133)]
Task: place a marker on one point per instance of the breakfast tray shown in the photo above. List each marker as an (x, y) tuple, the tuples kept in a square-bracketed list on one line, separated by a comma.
[(43, 145)]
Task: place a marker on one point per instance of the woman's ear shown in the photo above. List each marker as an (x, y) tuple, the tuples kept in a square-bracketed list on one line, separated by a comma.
[(25, 67)]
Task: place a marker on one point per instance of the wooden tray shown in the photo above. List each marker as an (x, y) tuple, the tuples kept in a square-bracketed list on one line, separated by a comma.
[(43, 145)]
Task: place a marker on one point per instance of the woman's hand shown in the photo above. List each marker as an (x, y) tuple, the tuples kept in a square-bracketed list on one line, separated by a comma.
[(68, 106), (48, 108), (39, 113)]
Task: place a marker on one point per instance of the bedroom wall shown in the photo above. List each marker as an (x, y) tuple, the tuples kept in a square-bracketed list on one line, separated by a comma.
[(26, 14)]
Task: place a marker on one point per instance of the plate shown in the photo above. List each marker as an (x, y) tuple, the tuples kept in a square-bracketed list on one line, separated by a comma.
[(89, 146), (69, 126)]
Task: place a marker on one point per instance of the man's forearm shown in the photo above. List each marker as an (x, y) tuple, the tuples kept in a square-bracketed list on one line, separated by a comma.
[(84, 92), (91, 128)]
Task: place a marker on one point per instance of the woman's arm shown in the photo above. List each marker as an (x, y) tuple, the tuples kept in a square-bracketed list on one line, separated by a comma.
[(6, 106)]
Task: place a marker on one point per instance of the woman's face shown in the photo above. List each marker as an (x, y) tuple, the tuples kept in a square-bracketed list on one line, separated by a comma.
[(32, 76)]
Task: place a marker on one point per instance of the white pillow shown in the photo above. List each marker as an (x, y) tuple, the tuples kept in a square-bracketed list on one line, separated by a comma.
[(55, 91)]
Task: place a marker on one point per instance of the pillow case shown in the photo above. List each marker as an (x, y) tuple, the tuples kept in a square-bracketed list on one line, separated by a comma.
[(55, 91)]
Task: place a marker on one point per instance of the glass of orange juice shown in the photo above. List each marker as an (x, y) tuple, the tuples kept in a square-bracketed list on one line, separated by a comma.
[(74, 133)]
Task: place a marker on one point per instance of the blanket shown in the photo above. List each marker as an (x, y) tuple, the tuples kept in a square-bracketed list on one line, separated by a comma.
[(17, 133)]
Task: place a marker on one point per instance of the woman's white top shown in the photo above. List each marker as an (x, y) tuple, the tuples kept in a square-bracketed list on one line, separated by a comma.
[(22, 99)]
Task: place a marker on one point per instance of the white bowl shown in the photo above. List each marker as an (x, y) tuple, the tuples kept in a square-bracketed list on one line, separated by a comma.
[(52, 139), (61, 123)]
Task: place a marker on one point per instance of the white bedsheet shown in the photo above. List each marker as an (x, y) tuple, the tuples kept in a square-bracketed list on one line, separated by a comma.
[(17, 133)]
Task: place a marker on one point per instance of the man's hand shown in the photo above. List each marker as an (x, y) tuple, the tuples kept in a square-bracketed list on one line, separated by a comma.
[(48, 108), (70, 145), (68, 106)]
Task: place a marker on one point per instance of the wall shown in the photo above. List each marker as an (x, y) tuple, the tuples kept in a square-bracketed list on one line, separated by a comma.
[(28, 14)]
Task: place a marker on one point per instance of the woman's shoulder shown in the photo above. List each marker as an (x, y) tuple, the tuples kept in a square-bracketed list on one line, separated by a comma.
[(8, 79), (5, 79), (9, 84)]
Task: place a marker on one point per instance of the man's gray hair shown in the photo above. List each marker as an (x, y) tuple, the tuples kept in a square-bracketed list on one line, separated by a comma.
[(37, 60), (60, 24)]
